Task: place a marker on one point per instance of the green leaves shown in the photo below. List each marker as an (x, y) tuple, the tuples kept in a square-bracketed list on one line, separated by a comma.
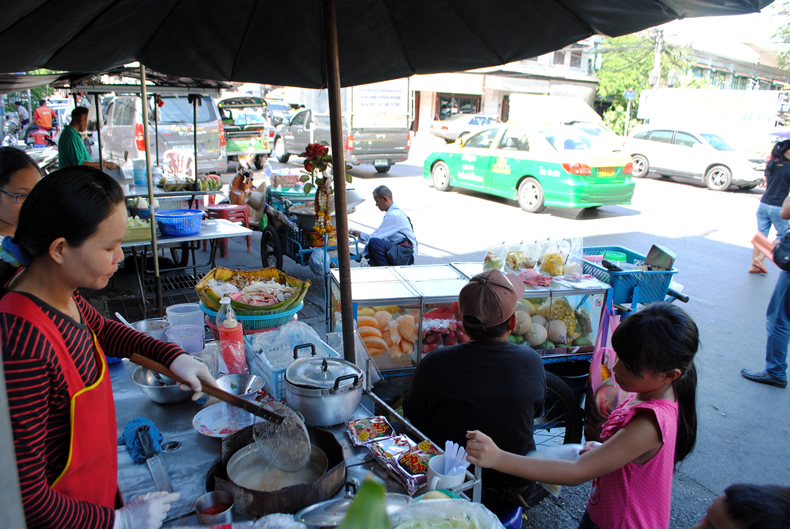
[(369, 509), (308, 188)]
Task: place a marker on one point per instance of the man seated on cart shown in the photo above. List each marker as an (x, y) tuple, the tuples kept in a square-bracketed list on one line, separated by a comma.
[(486, 383), (394, 242)]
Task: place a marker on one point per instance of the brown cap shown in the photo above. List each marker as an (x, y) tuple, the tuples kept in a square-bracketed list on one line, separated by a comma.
[(489, 299)]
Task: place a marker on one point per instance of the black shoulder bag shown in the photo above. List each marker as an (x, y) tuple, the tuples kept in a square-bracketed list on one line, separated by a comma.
[(782, 252)]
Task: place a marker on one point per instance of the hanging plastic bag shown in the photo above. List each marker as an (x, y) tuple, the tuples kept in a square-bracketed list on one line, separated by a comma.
[(495, 256), (604, 395), (574, 264), (553, 262)]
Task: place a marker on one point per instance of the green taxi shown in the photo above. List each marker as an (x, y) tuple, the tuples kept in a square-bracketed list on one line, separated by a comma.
[(246, 121), (540, 167)]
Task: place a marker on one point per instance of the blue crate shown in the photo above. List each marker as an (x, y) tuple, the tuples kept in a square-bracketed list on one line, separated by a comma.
[(653, 284), (179, 221)]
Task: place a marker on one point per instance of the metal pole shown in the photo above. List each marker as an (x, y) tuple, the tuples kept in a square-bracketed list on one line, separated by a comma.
[(156, 130), (339, 176), (627, 117), (97, 106), (194, 142), (154, 244)]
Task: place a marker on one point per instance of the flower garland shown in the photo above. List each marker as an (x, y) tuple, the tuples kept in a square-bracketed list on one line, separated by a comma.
[(317, 165)]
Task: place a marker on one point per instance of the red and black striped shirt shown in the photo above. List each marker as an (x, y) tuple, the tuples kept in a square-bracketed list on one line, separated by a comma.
[(38, 401)]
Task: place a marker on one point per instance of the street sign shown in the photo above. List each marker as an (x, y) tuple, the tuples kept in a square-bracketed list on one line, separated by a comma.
[(630, 94)]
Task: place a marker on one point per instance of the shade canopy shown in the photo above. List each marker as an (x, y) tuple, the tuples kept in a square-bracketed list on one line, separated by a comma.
[(283, 42)]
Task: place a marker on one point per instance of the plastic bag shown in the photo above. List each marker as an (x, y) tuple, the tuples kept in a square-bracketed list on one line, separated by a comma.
[(445, 514), (518, 258), (495, 256), (553, 262), (278, 521), (605, 395), (278, 345), (574, 267)]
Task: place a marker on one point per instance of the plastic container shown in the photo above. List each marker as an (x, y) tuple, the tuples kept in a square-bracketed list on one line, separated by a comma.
[(188, 337), (231, 338), (653, 284), (139, 172), (185, 314), (215, 508), (614, 256), (180, 221)]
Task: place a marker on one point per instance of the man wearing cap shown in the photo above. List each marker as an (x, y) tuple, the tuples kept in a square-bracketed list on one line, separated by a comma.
[(485, 383)]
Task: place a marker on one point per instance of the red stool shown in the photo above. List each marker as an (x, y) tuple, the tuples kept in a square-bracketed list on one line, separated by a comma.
[(233, 214)]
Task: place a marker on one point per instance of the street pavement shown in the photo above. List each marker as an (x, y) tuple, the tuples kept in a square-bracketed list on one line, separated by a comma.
[(743, 427)]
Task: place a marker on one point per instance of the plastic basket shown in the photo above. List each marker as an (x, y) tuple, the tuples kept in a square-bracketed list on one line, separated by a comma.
[(257, 323), (179, 221), (274, 379), (143, 213), (653, 284)]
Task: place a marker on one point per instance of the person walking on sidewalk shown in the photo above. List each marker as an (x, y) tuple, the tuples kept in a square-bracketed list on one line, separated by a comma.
[(777, 174), (778, 328)]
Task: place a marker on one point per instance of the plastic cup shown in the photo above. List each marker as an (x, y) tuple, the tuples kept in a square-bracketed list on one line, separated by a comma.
[(185, 314), (139, 172), (188, 337)]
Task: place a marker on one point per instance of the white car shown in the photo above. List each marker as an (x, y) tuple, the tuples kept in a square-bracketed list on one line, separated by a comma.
[(461, 126), (693, 154)]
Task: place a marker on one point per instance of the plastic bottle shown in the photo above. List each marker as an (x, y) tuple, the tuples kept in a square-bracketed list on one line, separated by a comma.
[(267, 171), (231, 338)]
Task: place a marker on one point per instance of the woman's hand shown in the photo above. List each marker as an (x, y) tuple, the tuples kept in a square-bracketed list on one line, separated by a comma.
[(192, 372), (481, 450)]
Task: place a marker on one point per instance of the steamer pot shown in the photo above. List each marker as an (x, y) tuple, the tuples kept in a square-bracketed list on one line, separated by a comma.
[(326, 391)]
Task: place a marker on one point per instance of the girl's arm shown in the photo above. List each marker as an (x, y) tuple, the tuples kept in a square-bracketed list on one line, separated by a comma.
[(635, 442)]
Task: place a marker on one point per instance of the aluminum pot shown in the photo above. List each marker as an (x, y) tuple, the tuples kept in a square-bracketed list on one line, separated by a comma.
[(326, 391), (154, 327)]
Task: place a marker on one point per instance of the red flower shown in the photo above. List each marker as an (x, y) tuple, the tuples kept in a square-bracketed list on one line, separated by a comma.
[(315, 150), (308, 166)]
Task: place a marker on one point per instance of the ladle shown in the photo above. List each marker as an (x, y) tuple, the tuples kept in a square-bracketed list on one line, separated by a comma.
[(214, 391)]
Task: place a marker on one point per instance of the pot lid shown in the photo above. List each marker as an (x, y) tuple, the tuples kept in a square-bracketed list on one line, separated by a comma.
[(331, 513), (322, 373)]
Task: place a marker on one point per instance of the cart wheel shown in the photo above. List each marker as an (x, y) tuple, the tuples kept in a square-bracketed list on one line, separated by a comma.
[(271, 249), (561, 422)]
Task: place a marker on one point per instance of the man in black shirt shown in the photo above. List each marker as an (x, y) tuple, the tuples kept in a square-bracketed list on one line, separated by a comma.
[(488, 384), (777, 176)]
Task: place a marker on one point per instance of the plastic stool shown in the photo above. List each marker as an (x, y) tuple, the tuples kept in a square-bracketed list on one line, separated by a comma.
[(232, 213), (511, 519)]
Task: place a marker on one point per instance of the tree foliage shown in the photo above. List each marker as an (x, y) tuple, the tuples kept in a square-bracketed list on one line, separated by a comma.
[(626, 63), (783, 33)]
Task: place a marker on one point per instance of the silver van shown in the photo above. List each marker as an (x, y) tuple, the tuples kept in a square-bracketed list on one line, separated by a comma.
[(122, 135)]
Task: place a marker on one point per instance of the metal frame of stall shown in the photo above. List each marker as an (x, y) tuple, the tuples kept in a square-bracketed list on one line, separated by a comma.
[(194, 95)]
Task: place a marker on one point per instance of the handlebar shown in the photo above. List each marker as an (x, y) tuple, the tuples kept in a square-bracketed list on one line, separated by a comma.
[(673, 295)]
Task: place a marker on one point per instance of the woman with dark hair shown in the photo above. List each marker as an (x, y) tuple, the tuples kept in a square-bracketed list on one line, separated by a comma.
[(59, 393), (18, 174)]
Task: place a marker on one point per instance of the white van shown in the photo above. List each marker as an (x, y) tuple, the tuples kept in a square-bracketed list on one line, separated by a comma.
[(122, 135)]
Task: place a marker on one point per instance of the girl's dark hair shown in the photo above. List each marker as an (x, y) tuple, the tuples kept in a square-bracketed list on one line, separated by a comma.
[(659, 338), (69, 203), (13, 160), (758, 506)]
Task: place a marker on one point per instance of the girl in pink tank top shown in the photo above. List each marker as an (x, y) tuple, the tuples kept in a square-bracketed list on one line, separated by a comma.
[(644, 437)]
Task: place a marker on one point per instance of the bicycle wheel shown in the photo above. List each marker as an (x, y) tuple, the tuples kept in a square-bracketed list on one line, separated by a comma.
[(271, 248), (561, 423)]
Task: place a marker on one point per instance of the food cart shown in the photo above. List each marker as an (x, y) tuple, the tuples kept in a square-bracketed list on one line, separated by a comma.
[(424, 291)]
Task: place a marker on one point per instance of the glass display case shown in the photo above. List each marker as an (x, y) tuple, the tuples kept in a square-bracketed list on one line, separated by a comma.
[(558, 321), (386, 311)]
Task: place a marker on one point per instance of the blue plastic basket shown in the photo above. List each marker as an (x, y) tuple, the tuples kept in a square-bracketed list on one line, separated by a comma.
[(143, 213), (653, 284), (264, 321), (179, 221)]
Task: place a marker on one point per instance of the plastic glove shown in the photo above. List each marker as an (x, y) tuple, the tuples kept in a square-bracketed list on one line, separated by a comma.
[(192, 372), (145, 512)]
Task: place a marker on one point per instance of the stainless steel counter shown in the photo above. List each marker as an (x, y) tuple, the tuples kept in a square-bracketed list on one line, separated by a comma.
[(189, 463)]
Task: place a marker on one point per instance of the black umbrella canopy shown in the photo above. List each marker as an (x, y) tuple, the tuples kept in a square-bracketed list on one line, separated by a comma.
[(282, 42)]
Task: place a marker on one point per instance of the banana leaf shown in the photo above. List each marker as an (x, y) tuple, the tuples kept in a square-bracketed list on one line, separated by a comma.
[(211, 299)]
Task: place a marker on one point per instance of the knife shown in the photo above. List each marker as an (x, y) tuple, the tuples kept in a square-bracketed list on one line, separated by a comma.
[(155, 463)]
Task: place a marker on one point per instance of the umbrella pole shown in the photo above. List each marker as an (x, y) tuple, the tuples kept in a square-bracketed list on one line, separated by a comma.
[(156, 130), (154, 244), (97, 106), (339, 177)]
